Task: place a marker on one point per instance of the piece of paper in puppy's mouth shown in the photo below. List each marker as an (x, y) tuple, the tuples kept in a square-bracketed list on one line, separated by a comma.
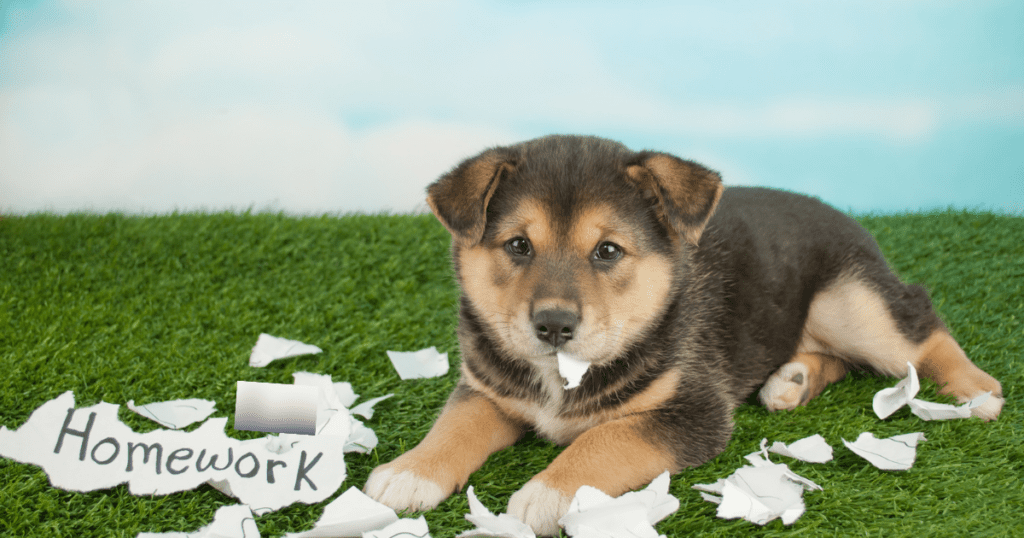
[(571, 370)]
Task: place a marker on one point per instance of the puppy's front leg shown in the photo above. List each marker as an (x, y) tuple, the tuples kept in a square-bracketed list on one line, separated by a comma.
[(615, 457), (469, 430)]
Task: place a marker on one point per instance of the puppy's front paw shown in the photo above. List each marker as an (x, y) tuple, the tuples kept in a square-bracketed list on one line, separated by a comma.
[(787, 388), (403, 490), (539, 506)]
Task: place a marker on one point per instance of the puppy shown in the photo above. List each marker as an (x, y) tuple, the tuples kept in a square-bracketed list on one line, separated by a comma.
[(682, 296)]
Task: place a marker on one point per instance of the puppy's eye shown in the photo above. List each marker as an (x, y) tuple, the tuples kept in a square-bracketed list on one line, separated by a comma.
[(518, 246), (607, 251)]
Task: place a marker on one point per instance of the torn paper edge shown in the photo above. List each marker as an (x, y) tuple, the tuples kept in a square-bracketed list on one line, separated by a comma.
[(888, 401), (896, 453), (813, 449), (422, 364), (175, 414), (234, 521), (632, 512), (269, 348), (488, 524), (351, 514), (571, 370)]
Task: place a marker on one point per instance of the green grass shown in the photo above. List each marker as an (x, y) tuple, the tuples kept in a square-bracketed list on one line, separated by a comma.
[(153, 308)]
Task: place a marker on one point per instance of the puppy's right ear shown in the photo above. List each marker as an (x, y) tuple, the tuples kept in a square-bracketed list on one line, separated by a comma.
[(459, 198)]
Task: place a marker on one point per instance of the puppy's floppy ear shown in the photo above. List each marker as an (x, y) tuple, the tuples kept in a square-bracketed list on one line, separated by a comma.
[(684, 192), (459, 198)]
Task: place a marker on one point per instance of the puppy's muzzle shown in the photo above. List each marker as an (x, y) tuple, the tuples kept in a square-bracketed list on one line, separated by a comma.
[(555, 327)]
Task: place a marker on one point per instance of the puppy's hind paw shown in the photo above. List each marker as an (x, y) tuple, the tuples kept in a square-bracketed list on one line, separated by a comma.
[(539, 506), (787, 388), (403, 490)]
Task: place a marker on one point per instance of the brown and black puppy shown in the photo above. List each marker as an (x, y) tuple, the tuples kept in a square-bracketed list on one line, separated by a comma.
[(683, 297)]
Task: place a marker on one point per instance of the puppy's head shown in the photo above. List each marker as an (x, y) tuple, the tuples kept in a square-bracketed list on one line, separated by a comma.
[(571, 244)]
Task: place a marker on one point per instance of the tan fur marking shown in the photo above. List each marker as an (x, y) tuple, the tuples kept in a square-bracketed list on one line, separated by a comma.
[(613, 457), (466, 433), (849, 320), (944, 362), (823, 371), (597, 224)]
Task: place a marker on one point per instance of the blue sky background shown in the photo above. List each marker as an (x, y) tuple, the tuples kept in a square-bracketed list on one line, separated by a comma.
[(312, 107)]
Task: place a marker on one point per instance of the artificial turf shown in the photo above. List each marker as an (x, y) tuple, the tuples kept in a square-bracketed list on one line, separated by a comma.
[(154, 308)]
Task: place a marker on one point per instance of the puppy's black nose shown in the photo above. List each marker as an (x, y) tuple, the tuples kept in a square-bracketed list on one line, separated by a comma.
[(555, 326)]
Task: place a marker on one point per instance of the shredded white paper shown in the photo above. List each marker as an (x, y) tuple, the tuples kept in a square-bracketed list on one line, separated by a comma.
[(888, 401), (270, 348), (420, 364), (571, 370), (896, 453)]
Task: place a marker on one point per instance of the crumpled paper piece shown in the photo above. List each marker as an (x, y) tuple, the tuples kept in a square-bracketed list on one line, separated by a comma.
[(594, 514), (488, 524), (760, 492), (403, 528), (420, 364), (333, 418), (350, 515), (888, 401), (270, 348), (234, 521), (896, 453), (175, 414), (571, 370), (811, 449)]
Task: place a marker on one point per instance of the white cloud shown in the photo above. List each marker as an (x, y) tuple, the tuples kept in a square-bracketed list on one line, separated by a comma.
[(152, 106)]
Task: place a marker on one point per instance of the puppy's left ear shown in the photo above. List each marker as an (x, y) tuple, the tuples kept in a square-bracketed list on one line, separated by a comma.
[(459, 198), (684, 192)]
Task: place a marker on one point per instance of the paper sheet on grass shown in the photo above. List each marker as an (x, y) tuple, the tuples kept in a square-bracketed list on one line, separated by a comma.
[(811, 449), (896, 453), (888, 401), (270, 348), (488, 524), (403, 528), (175, 414), (420, 364), (89, 448), (760, 492), (350, 515), (571, 370), (234, 521), (594, 514)]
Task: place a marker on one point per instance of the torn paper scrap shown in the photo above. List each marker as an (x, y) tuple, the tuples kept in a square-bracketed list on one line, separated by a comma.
[(811, 449), (350, 515), (276, 408), (593, 513), (175, 414), (940, 411), (571, 370), (270, 348), (488, 524), (403, 528), (234, 521), (419, 364), (343, 390), (888, 401), (89, 449), (896, 453), (332, 416), (365, 409), (759, 493)]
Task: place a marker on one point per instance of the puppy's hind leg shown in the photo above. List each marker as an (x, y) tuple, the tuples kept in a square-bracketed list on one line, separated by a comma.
[(882, 324), (800, 380), (944, 362)]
